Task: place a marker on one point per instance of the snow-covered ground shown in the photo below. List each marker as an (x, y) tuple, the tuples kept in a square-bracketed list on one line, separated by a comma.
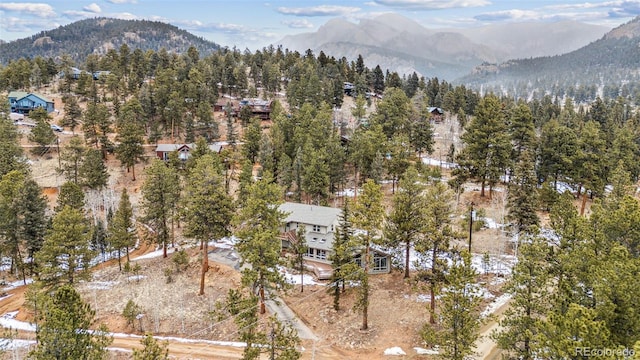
[(495, 305), (436, 162), (348, 192)]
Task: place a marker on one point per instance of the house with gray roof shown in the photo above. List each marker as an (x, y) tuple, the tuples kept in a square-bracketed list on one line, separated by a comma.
[(320, 224), (184, 150)]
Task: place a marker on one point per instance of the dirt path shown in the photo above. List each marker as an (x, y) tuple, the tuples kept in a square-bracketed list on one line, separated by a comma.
[(486, 348)]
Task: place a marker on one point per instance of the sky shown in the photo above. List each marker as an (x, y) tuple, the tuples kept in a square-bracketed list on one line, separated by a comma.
[(254, 24)]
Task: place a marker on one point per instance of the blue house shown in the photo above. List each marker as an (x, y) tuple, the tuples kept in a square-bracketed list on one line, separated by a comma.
[(22, 102)]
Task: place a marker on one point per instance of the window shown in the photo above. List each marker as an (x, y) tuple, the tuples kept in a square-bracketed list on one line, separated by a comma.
[(321, 254), (314, 239), (310, 252), (379, 263), (322, 241), (316, 228)]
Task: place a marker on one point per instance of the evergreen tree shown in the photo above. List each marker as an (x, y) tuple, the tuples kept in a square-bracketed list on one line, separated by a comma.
[(252, 135), (130, 150), (72, 112), (160, 194), (529, 285), (522, 130), (434, 242), (65, 255), (33, 218), (93, 170), (41, 134), (523, 195), (122, 233), (487, 150), (70, 195), (459, 320), (71, 159), (406, 221), (65, 329), (207, 208), (151, 350), (10, 149), (393, 113), (258, 230), (368, 215), (398, 159), (341, 254), (299, 249)]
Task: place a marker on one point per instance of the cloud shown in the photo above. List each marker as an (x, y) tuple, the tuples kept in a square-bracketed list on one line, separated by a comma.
[(298, 24), (123, 1), (94, 8), (625, 9), (36, 9), (322, 10), (514, 14), (432, 4), (24, 25)]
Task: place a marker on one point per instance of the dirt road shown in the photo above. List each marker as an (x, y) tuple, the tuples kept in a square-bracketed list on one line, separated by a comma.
[(486, 348)]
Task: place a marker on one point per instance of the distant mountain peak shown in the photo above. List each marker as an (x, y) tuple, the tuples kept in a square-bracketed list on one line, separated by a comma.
[(98, 35)]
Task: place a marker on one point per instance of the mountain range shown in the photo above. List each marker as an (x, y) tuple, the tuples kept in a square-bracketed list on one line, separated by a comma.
[(99, 35), (398, 43)]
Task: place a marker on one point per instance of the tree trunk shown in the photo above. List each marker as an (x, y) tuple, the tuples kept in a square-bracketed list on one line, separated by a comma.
[(205, 266), (263, 308), (133, 172), (406, 259), (119, 261), (482, 188), (432, 319), (127, 248), (365, 306), (301, 274), (584, 203)]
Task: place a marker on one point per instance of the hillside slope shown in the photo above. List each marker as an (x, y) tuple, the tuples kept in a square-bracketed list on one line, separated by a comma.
[(99, 35)]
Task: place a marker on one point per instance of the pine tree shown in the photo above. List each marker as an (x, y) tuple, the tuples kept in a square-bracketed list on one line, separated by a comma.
[(93, 171), (130, 150), (487, 150), (522, 130), (406, 221), (251, 140), (368, 215), (41, 134), (258, 231), (72, 112), (529, 285), (434, 242), (65, 255), (523, 195), (122, 233), (459, 320), (207, 208), (65, 329), (71, 159), (33, 218), (299, 249), (70, 195), (10, 149), (160, 194), (151, 350), (341, 254)]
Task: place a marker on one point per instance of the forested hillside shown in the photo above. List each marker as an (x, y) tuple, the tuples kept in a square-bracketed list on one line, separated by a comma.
[(607, 67), (566, 176), (99, 35)]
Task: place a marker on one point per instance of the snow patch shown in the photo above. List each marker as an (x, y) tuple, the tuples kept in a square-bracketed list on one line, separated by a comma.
[(8, 320), (495, 305), (396, 350), (423, 351), (436, 162)]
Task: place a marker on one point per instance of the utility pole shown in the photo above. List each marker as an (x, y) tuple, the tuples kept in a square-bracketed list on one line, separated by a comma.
[(470, 224)]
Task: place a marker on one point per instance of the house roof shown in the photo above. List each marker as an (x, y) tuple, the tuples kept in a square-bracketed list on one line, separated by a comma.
[(18, 94), (22, 94), (310, 214), (215, 147), (437, 109)]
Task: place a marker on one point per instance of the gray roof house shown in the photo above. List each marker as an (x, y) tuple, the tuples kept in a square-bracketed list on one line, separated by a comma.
[(320, 224), (163, 150)]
